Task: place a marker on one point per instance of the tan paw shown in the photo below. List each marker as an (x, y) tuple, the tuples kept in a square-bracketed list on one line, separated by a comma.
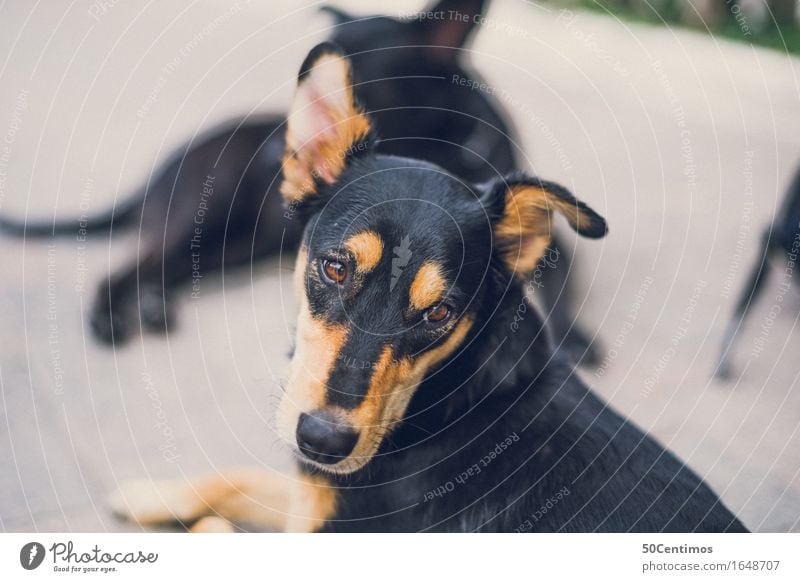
[(149, 502), (212, 525)]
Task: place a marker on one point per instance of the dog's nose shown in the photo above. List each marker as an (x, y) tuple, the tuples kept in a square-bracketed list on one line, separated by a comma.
[(323, 438)]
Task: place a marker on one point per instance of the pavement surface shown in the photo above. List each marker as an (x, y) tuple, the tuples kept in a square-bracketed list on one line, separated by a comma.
[(682, 141)]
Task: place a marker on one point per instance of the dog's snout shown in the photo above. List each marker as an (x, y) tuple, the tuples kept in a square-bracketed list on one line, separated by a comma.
[(323, 438)]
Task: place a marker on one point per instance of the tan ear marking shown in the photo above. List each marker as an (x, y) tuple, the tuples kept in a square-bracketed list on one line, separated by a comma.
[(428, 286), (524, 232), (323, 127)]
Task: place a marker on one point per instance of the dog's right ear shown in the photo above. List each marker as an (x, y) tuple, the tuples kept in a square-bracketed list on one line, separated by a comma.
[(325, 127)]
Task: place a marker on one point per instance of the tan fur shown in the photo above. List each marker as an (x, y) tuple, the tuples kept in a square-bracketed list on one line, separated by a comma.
[(367, 250), (212, 525), (385, 377), (428, 286), (313, 501), (324, 123), (253, 495), (317, 349), (524, 232), (298, 503), (318, 346), (299, 278)]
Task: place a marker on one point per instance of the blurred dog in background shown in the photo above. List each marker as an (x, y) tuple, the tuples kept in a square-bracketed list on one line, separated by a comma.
[(215, 202), (781, 244)]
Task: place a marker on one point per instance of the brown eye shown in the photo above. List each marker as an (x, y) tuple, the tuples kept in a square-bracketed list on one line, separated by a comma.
[(437, 314), (334, 271)]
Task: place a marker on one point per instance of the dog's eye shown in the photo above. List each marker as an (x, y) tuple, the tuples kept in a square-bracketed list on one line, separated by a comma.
[(334, 272), (437, 314)]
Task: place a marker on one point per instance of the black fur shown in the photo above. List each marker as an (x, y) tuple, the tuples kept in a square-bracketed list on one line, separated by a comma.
[(503, 435), (780, 241), (618, 478)]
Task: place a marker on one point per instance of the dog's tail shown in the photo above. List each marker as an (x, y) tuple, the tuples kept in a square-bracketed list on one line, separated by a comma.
[(119, 215), (748, 297)]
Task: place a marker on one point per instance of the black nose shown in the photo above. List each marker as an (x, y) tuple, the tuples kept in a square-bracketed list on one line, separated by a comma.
[(324, 439)]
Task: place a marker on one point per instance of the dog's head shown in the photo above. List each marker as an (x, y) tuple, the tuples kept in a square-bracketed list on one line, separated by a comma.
[(391, 275)]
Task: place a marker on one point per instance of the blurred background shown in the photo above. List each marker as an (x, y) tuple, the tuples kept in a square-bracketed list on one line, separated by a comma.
[(679, 121), (772, 23)]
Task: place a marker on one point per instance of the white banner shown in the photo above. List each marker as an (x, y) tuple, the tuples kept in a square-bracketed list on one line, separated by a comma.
[(395, 557)]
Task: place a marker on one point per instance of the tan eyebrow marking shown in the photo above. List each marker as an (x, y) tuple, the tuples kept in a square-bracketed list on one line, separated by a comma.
[(428, 286), (367, 249)]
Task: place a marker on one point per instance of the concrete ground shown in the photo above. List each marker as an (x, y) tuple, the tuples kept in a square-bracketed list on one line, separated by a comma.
[(683, 142)]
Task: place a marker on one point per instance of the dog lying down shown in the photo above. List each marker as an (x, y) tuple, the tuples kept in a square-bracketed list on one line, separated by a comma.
[(411, 403)]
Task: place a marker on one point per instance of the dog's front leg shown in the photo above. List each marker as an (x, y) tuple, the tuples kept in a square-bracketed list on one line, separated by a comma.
[(312, 503), (256, 496), (297, 503), (212, 525)]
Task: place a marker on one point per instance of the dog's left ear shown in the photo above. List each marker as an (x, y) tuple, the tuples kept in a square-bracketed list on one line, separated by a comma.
[(522, 209), (325, 127)]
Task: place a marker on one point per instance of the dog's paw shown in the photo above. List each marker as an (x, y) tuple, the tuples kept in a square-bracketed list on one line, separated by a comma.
[(109, 326), (724, 371), (155, 309), (149, 502), (212, 525)]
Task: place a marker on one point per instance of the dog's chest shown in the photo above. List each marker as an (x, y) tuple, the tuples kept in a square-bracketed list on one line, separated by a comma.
[(428, 488), (394, 500)]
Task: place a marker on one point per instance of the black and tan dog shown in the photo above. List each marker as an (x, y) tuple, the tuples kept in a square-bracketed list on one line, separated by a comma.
[(780, 244), (413, 401), (216, 203)]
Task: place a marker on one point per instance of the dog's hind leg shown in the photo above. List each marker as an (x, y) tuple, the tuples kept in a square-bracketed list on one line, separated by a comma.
[(137, 294), (749, 295), (274, 501), (141, 294)]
